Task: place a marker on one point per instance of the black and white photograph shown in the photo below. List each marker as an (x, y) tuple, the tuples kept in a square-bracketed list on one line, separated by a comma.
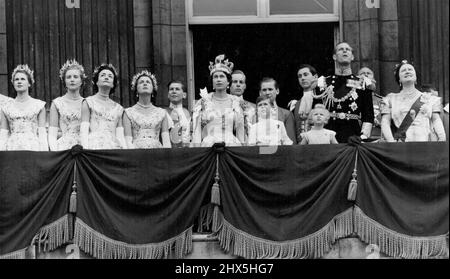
[(222, 130)]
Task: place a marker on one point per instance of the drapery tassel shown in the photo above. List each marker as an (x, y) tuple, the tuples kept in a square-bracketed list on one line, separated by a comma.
[(398, 245), (353, 187), (101, 247), (215, 198), (316, 245), (215, 191), (73, 196)]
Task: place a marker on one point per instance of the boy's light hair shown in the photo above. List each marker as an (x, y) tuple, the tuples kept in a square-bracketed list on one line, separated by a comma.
[(317, 108)]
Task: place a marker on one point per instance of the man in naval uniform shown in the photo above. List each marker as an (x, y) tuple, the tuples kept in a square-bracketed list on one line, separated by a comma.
[(348, 98)]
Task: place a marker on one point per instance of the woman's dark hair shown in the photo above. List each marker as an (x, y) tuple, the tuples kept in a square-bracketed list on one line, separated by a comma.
[(397, 70), (97, 72), (154, 92)]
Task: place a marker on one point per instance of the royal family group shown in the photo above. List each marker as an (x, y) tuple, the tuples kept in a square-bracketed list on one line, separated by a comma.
[(340, 108)]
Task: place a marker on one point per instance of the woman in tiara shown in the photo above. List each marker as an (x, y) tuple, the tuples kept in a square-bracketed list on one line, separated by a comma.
[(101, 126), (218, 116), (65, 112), (144, 123), (410, 115), (24, 118)]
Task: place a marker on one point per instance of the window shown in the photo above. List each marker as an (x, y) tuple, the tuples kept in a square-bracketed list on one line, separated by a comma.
[(288, 7), (261, 11), (225, 8), (256, 23)]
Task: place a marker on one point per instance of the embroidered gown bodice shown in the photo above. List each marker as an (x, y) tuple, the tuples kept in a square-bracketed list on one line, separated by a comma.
[(146, 128)]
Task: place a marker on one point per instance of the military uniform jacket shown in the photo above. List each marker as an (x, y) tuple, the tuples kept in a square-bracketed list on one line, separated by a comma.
[(349, 103)]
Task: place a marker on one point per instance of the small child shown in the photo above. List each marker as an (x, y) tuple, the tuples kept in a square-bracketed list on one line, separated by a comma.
[(319, 135), (267, 131)]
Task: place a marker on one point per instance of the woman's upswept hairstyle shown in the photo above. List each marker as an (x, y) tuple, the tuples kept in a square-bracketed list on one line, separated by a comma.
[(97, 72)]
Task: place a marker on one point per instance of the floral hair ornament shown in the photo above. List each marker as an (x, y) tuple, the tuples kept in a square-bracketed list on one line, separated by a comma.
[(221, 65), (145, 73), (397, 66), (23, 69), (71, 64)]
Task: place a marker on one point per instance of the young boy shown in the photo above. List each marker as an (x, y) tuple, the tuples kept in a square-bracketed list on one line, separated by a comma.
[(267, 131)]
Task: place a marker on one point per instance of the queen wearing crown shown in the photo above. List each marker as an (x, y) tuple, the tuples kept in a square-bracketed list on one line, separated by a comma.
[(145, 123), (65, 111), (23, 120), (218, 116), (101, 126)]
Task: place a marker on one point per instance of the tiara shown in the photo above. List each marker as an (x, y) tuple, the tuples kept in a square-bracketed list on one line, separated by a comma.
[(397, 66), (25, 69), (105, 66), (220, 64), (71, 64), (146, 73)]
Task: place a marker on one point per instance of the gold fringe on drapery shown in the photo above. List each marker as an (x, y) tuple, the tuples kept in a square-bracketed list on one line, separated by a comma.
[(48, 239), (398, 245), (316, 245), (101, 247)]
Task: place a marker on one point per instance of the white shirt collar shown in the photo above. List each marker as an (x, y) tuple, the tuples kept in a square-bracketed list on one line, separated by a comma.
[(173, 106)]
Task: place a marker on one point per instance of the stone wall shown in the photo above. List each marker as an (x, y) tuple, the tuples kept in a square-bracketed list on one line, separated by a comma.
[(3, 51), (169, 44), (373, 33)]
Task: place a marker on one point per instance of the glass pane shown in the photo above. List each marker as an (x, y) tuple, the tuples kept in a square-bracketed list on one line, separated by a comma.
[(288, 7), (225, 8)]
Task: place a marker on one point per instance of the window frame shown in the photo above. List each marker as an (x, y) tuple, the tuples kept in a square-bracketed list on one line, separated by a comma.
[(263, 16)]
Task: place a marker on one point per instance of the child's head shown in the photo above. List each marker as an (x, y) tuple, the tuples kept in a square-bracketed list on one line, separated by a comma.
[(263, 106), (319, 115)]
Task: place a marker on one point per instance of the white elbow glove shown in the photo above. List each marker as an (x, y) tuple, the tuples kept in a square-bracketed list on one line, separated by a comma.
[(129, 141), (366, 130), (166, 140), (120, 135), (43, 138), (3, 138), (84, 134), (52, 138), (438, 127)]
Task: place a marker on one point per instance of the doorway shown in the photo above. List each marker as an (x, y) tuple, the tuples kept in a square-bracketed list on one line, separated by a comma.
[(264, 50)]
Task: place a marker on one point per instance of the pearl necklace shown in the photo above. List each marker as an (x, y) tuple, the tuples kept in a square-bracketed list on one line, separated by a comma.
[(221, 100)]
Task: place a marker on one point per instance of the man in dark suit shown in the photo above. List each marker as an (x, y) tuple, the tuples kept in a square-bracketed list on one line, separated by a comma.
[(307, 79), (269, 87), (237, 88)]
